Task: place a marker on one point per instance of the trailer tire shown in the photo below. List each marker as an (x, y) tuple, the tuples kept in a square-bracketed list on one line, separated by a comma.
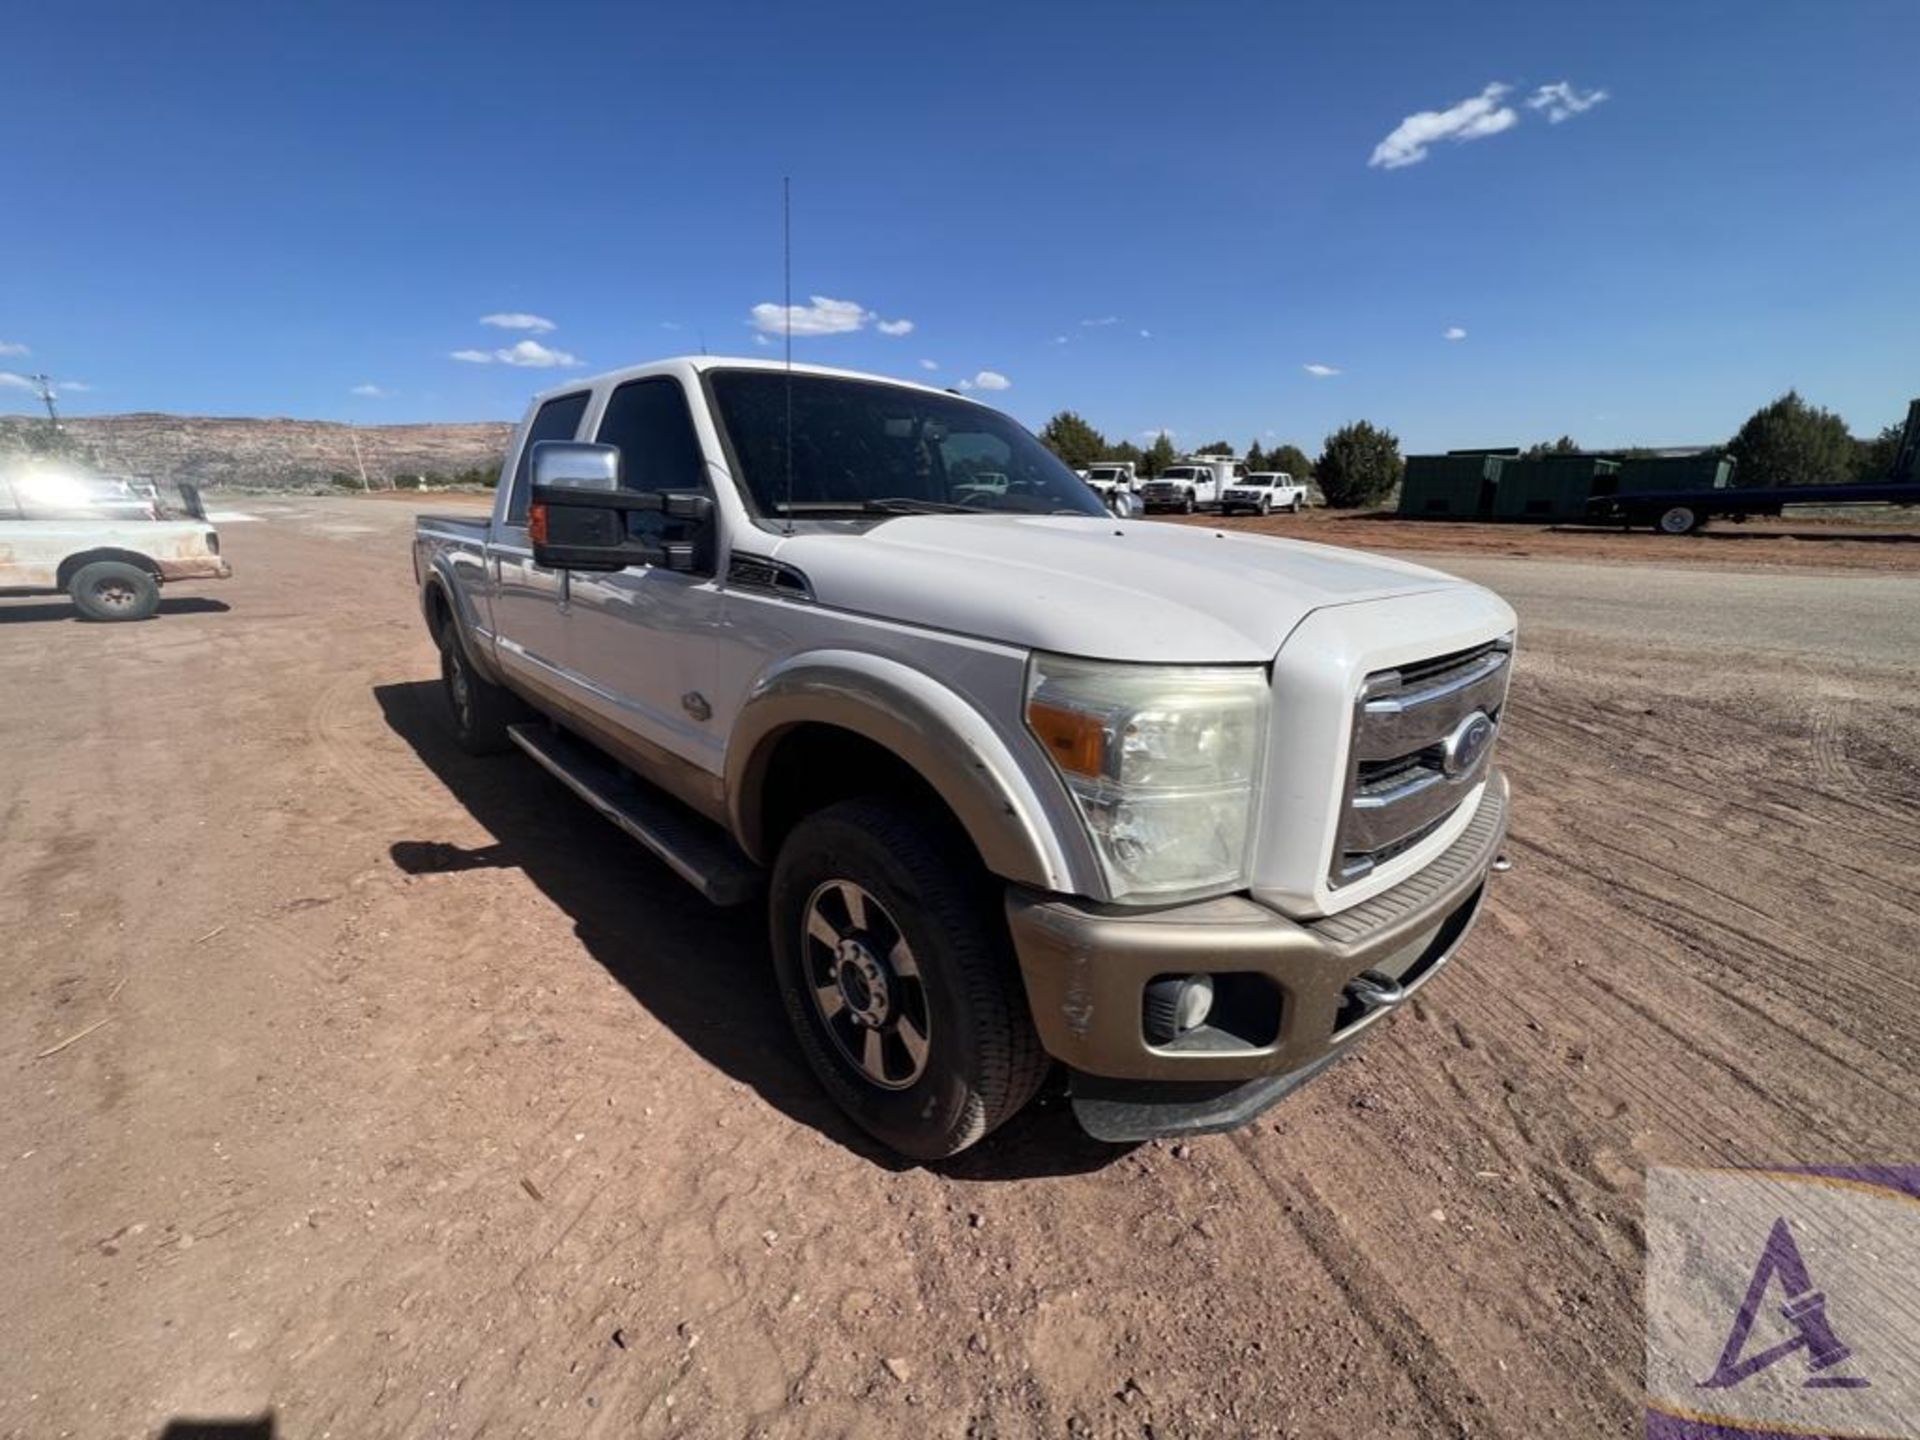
[(1679, 520)]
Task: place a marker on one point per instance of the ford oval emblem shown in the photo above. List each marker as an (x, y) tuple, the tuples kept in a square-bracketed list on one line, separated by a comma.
[(1467, 745)]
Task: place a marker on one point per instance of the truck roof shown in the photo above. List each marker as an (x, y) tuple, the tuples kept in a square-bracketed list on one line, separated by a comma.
[(692, 366)]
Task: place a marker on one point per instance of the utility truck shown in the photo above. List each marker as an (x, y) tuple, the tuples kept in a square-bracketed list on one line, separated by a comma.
[(1016, 783)]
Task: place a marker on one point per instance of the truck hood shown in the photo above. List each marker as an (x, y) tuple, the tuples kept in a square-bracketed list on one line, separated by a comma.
[(1104, 589)]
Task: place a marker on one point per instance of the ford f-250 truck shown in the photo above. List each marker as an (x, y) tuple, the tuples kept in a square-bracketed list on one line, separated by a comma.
[(1185, 811)]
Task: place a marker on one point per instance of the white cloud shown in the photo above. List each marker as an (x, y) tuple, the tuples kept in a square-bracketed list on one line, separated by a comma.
[(1059, 339), (1146, 334), (18, 382), (763, 342), (11, 347), (822, 317), (518, 320), (371, 392), (1320, 372), (1103, 320), (929, 364), (73, 387), (987, 380), (1152, 435), (1454, 332), (1472, 119), (528, 353), (669, 324), (895, 327), (1562, 102)]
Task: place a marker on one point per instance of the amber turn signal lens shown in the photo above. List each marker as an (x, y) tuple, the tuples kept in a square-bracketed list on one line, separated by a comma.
[(1076, 741), (537, 524)]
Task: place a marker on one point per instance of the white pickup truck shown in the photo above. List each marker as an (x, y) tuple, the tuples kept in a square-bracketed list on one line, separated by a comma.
[(103, 543), (1263, 492), (1017, 782)]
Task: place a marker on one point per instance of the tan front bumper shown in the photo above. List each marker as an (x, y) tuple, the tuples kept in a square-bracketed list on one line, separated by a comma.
[(1087, 967)]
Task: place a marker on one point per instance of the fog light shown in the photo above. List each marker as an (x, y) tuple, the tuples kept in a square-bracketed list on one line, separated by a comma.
[(1176, 1004)]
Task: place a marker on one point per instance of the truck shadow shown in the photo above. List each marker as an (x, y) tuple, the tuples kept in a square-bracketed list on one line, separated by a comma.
[(701, 971), (43, 611)]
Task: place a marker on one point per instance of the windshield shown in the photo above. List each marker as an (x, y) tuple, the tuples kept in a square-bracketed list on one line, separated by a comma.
[(861, 445)]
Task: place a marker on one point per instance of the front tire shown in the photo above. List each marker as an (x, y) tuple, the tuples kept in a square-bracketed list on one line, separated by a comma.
[(114, 590), (1266, 508), (1186, 503), (896, 974)]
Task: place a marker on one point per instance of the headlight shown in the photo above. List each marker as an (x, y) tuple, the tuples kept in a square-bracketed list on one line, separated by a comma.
[(1163, 762)]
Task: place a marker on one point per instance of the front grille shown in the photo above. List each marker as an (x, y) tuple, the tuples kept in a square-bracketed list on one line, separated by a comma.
[(1417, 752)]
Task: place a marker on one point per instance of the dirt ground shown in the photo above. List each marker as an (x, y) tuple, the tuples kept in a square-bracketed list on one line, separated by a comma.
[(1887, 539), (382, 1091)]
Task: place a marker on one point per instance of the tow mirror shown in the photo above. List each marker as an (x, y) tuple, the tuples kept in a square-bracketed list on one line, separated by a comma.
[(579, 515)]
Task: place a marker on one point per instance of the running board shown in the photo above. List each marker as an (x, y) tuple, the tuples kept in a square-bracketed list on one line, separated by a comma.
[(696, 850)]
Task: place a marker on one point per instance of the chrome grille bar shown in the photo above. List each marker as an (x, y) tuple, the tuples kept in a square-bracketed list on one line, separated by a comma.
[(1413, 756)]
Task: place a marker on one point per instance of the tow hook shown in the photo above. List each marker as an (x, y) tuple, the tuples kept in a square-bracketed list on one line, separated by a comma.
[(1501, 864), (1375, 991)]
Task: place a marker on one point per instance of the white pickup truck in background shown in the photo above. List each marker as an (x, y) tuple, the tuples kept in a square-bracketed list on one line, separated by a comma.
[(1263, 492), (107, 544), (1185, 811)]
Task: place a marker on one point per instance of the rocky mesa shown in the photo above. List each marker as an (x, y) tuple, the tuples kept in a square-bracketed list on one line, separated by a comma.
[(271, 454)]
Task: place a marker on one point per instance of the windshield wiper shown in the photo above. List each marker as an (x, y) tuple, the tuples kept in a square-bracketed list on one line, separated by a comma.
[(885, 505), (908, 505)]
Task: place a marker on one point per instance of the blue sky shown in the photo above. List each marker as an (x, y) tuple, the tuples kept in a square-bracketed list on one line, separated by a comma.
[(255, 209)]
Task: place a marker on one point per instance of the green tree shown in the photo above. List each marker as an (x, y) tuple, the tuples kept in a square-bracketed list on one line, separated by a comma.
[(1290, 460), (1256, 458), (1126, 450), (1159, 456), (1218, 447), (1873, 459), (1073, 440), (1565, 445), (1358, 465), (1792, 443)]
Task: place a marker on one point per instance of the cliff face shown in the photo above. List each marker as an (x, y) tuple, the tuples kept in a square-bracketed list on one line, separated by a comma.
[(276, 453)]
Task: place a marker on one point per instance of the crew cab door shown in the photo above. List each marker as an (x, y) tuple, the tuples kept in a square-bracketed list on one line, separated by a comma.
[(528, 629), (639, 640)]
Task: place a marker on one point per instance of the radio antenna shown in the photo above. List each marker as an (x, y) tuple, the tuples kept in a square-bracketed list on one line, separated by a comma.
[(786, 309)]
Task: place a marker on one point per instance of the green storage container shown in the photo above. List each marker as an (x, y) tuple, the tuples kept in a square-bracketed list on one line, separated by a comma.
[(1550, 487), (1707, 470), (1450, 487)]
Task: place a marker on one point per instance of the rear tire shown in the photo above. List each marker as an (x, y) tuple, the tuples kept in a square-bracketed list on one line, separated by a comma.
[(885, 925), (114, 590), (478, 711)]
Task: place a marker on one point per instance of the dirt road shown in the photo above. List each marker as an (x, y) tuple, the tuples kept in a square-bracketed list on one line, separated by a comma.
[(408, 1099)]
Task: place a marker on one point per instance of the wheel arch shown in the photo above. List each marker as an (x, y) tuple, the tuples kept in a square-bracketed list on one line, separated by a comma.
[(889, 723), (75, 563), (442, 609)]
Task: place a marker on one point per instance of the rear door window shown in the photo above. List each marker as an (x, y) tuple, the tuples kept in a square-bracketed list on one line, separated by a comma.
[(558, 419)]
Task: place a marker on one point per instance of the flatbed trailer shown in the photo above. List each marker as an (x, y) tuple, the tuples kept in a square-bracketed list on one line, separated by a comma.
[(1681, 512)]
